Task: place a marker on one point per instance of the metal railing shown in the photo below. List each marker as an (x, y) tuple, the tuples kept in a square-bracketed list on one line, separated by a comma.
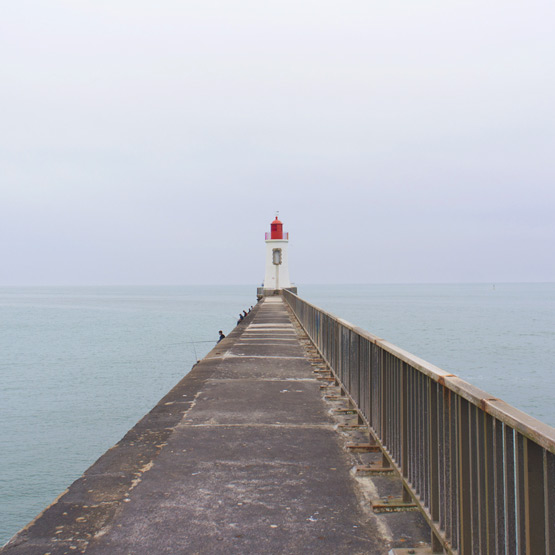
[(268, 236), (482, 472)]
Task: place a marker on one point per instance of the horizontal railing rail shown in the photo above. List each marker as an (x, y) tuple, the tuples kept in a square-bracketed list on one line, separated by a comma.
[(482, 472)]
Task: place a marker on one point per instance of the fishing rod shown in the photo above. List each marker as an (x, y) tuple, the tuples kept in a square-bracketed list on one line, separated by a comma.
[(194, 348), (207, 341)]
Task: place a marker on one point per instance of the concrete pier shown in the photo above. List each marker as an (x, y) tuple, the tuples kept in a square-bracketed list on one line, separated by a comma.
[(244, 455)]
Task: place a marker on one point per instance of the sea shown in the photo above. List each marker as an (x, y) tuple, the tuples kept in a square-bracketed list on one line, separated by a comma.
[(80, 366)]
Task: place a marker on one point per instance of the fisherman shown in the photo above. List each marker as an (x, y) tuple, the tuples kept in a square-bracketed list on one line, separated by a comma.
[(222, 336)]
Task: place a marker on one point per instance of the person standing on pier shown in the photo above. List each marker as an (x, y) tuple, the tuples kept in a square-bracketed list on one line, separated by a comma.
[(222, 336)]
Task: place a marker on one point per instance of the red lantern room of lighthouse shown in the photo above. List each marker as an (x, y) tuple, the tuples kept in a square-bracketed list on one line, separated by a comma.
[(276, 228), (276, 231), (277, 268)]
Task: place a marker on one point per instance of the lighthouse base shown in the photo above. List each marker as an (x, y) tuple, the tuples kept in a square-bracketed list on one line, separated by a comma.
[(262, 292)]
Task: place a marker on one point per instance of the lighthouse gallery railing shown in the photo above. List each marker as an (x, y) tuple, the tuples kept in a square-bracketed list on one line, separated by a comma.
[(482, 472), (284, 235)]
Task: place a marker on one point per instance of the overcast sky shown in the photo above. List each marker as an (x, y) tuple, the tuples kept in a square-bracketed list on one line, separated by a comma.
[(152, 142)]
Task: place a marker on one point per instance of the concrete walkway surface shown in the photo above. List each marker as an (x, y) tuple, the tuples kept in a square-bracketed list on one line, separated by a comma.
[(242, 456)]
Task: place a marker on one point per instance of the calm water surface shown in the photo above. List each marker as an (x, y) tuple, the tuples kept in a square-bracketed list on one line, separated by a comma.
[(80, 366), (500, 338)]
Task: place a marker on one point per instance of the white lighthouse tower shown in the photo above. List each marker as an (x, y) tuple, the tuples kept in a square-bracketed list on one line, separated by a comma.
[(276, 277)]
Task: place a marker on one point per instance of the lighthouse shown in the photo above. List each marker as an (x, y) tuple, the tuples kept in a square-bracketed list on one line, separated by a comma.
[(276, 277)]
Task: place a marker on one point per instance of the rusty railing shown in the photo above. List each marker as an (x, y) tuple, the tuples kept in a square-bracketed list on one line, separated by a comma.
[(482, 472)]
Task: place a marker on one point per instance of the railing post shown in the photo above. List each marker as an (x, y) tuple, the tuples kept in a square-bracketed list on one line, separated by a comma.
[(550, 502), (510, 487), (382, 403), (433, 442), (405, 429), (454, 511), (442, 457), (480, 446), (534, 497), (404, 422), (465, 520), (520, 492), (476, 446), (490, 488), (499, 492)]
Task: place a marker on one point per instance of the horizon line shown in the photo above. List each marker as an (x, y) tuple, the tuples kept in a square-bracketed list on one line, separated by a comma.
[(308, 284)]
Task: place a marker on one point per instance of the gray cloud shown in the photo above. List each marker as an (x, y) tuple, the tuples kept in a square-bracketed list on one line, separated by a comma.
[(400, 141)]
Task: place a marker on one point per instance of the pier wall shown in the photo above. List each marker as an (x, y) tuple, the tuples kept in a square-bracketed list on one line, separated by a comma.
[(482, 472)]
